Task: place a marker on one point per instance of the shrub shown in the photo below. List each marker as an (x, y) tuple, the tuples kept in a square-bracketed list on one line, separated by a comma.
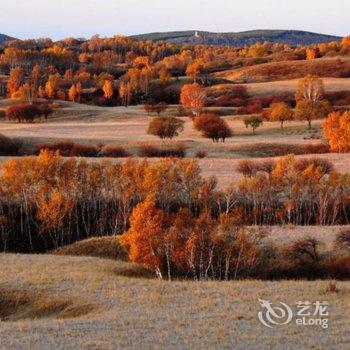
[(150, 151), (342, 239), (213, 127), (324, 165), (2, 114), (255, 107), (9, 147), (22, 112), (306, 248), (251, 167), (68, 149), (277, 149), (114, 151), (165, 127), (201, 154)]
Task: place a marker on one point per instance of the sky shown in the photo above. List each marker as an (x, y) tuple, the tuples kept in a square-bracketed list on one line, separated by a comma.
[(84, 18)]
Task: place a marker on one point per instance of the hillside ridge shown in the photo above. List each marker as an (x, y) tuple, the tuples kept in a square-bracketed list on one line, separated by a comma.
[(291, 37)]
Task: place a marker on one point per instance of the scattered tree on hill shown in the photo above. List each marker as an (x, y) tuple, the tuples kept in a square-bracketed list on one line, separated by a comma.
[(252, 121), (212, 127), (27, 112), (193, 97), (165, 127), (280, 112), (310, 110), (337, 131), (310, 88)]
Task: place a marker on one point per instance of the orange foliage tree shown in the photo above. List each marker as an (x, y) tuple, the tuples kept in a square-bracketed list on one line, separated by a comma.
[(337, 131), (193, 97), (144, 240)]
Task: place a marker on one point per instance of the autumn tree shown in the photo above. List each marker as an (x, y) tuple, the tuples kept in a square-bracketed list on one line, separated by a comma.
[(165, 127), (15, 80), (193, 97), (144, 239), (252, 121), (212, 127), (52, 85), (280, 112), (108, 89), (337, 131), (72, 93), (310, 110), (310, 88), (164, 75), (195, 69)]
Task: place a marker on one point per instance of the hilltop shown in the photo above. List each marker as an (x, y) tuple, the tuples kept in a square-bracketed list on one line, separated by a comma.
[(291, 37), (4, 37)]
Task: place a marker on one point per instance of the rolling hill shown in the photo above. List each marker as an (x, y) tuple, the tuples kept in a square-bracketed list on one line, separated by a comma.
[(4, 38), (291, 37)]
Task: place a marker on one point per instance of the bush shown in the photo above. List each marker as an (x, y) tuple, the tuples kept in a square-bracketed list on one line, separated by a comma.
[(324, 165), (150, 151), (255, 107), (68, 149), (165, 127), (305, 249), (342, 239), (251, 167), (277, 149), (201, 154), (9, 147), (22, 112), (114, 151), (213, 127)]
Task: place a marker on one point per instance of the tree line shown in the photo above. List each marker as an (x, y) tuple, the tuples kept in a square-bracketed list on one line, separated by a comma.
[(48, 201)]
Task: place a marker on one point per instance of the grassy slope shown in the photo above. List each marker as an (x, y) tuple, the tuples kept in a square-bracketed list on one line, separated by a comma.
[(133, 313), (285, 70)]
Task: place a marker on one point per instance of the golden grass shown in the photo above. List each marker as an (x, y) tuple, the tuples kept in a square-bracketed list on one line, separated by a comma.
[(102, 247), (285, 70), (142, 313), (18, 305)]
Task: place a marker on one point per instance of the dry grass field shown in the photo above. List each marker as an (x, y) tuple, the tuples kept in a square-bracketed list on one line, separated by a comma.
[(87, 296), (285, 70), (91, 303)]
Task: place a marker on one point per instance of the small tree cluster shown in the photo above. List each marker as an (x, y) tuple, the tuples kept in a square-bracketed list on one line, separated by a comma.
[(27, 112), (165, 127), (212, 127)]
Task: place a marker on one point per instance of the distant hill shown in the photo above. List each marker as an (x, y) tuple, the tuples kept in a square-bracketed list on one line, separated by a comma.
[(4, 38), (291, 37)]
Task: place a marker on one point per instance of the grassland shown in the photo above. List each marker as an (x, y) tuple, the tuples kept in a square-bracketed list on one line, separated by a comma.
[(95, 304), (285, 70)]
